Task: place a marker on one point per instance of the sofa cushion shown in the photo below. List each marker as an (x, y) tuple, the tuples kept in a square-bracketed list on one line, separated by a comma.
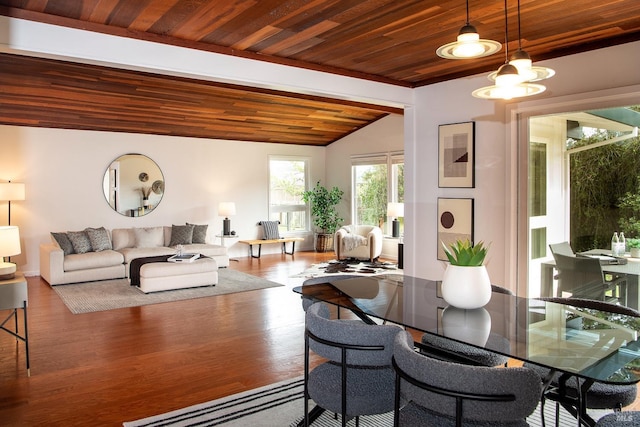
[(63, 242), (149, 237), (123, 238), (199, 233), (133, 253), (107, 258), (181, 235), (80, 241), (99, 238)]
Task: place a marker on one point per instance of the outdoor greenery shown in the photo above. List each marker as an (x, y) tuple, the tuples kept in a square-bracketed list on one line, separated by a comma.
[(323, 204), (372, 194), (604, 191), (465, 253)]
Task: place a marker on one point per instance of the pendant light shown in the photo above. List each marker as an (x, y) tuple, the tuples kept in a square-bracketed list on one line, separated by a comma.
[(509, 82), (522, 61), (469, 44)]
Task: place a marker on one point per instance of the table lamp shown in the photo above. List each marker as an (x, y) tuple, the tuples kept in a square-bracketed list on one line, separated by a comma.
[(395, 210), (11, 191), (226, 209), (9, 246)]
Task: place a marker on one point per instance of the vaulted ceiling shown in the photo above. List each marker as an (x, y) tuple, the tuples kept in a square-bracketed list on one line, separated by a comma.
[(391, 41)]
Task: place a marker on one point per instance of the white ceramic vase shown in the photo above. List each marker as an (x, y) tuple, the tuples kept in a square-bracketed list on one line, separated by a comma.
[(466, 287), (470, 326), (634, 252)]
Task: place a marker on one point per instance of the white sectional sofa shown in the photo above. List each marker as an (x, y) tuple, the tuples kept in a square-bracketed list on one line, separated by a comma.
[(68, 260)]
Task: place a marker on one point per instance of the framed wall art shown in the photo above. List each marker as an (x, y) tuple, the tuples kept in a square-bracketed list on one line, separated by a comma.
[(456, 155), (455, 221)]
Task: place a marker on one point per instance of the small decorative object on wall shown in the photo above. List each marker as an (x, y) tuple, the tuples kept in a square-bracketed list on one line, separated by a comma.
[(455, 222), (144, 177), (456, 155)]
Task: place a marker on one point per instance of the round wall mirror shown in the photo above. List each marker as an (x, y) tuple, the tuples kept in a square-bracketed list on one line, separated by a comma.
[(133, 185)]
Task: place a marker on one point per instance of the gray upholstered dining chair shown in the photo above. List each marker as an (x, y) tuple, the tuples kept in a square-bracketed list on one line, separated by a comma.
[(439, 393), (471, 353), (562, 248), (599, 395), (357, 378)]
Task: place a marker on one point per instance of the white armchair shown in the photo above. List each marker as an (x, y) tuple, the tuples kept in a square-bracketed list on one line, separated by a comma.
[(358, 241)]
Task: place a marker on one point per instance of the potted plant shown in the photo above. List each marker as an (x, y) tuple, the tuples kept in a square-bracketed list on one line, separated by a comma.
[(633, 244), (466, 283), (325, 217)]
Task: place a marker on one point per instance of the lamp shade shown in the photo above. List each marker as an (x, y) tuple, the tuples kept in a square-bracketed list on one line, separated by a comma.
[(395, 210), (226, 209), (9, 241), (10, 191)]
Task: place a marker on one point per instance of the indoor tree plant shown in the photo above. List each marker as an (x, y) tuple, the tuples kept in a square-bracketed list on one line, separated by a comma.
[(466, 282), (325, 216)]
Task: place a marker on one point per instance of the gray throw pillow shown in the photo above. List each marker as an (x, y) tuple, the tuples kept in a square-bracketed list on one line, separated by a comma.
[(80, 241), (181, 235), (199, 233), (99, 238), (270, 229), (63, 241)]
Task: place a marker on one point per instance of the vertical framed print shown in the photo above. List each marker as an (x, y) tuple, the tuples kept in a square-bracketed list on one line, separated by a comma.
[(455, 221), (456, 155)]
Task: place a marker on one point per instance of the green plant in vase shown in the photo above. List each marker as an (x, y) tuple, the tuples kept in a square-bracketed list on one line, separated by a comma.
[(325, 216), (465, 253), (466, 283), (633, 245)]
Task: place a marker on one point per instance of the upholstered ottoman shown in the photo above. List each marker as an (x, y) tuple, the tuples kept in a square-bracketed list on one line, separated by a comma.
[(164, 276)]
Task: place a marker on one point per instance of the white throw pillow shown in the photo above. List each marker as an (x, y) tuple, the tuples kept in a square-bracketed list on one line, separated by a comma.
[(149, 237)]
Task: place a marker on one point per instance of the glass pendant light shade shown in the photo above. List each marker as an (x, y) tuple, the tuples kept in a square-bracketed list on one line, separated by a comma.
[(468, 44), (507, 75), (519, 90), (530, 73)]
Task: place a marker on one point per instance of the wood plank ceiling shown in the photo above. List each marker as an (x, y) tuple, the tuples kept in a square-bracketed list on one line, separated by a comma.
[(391, 41)]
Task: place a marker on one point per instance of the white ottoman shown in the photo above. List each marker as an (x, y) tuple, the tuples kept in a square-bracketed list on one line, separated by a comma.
[(164, 276)]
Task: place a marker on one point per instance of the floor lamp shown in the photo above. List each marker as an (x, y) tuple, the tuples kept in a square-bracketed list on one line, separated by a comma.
[(11, 191)]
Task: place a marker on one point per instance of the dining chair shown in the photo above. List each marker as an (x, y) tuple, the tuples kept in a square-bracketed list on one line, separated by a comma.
[(462, 352), (562, 248), (583, 277), (599, 395), (436, 392), (357, 378)]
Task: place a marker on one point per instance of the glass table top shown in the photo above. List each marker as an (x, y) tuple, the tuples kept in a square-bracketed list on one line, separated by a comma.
[(594, 344)]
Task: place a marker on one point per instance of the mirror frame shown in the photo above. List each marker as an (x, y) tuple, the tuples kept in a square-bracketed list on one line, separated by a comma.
[(133, 185)]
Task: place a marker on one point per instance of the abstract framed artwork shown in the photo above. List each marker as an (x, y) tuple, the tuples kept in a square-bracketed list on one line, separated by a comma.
[(456, 155), (455, 221)]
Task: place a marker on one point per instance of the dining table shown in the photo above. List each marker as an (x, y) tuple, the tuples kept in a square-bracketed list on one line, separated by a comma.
[(594, 345)]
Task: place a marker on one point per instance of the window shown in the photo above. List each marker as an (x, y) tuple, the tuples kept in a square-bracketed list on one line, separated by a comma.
[(287, 182), (377, 181)]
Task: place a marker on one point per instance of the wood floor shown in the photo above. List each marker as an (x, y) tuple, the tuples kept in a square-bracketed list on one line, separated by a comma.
[(100, 369)]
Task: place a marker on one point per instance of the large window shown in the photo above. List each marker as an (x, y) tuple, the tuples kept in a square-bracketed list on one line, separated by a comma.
[(287, 182), (377, 181)]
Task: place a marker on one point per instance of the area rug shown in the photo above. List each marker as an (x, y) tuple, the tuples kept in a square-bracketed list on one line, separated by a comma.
[(282, 405), (111, 294), (360, 268)]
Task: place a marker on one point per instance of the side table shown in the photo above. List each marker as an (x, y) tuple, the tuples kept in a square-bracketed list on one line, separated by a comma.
[(13, 296), (224, 237)]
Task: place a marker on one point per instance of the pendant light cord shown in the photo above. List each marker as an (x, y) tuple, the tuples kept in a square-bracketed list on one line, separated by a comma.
[(519, 35), (467, 12), (506, 32)]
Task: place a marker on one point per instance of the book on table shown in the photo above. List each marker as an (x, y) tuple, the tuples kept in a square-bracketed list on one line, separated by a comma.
[(183, 257)]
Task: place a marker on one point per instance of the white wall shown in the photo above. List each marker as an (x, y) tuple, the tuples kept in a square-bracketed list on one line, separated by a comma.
[(63, 172), (495, 205)]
